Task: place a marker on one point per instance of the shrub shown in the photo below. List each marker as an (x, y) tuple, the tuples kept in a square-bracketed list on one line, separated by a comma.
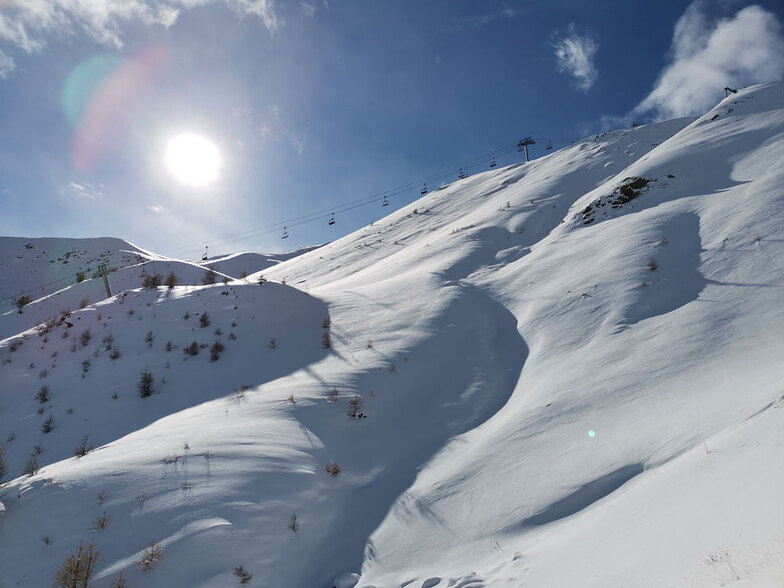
[(326, 340), (120, 582), (115, 353), (171, 280), (243, 575), (42, 396), (152, 281), (204, 320), (85, 337), (48, 424), (78, 567), (653, 265), (333, 394), (31, 466), (293, 523), (354, 404), (216, 350), (225, 280), (325, 324), (272, 344), (85, 366), (333, 469), (149, 338), (262, 280), (145, 385), (151, 555), (84, 302), (80, 277), (192, 349), (82, 449), (3, 464), (22, 301), (186, 316), (100, 523), (14, 345), (210, 276), (169, 346), (107, 341)]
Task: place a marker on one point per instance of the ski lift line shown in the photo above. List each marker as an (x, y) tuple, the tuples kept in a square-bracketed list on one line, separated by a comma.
[(476, 162)]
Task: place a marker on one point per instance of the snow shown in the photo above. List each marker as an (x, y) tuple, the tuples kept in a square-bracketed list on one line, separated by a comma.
[(488, 328)]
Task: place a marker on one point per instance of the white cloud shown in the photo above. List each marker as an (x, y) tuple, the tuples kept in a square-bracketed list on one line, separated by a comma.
[(707, 56), (84, 190), (158, 209), (28, 24), (307, 9), (575, 54), (7, 65)]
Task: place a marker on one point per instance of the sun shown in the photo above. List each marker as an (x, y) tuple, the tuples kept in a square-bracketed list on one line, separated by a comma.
[(193, 160)]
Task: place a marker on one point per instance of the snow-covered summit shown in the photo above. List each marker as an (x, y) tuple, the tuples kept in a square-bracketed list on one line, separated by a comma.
[(561, 373)]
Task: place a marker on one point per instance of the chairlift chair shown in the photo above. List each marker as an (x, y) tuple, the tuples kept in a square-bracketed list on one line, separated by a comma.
[(462, 174), (492, 163), (332, 220), (424, 189), (385, 202), (285, 234), (520, 145), (549, 145), (204, 257)]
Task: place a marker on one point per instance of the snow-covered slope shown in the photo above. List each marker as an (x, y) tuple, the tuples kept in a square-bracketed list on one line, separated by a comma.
[(570, 370)]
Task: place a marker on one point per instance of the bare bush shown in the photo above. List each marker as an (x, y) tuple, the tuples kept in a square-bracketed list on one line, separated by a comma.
[(171, 280), (85, 337), (48, 425), (152, 281), (192, 349), (115, 353), (355, 404), (204, 320), (82, 448), (294, 523), (84, 302), (216, 350), (243, 574), (149, 338), (326, 340), (31, 465), (22, 301), (210, 276), (42, 396), (3, 463), (333, 469), (150, 556), (326, 323), (101, 522), (653, 265), (78, 567)]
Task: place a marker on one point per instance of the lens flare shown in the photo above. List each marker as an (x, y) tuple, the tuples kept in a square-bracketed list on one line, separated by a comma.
[(103, 94), (592, 433)]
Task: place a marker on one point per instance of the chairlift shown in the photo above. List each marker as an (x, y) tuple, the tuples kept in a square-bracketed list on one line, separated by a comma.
[(520, 145), (332, 220), (424, 189), (492, 163), (462, 174), (285, 234), (385, 202), (549, 145), (204, 257)]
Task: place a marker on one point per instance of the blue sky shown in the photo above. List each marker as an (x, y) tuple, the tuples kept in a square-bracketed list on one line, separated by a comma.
[(313, 105)]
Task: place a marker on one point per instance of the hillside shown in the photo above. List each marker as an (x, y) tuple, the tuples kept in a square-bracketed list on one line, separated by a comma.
[(570, 374)]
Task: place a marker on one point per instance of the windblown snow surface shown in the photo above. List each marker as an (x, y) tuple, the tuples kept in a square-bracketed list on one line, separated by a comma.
[(571, 373)]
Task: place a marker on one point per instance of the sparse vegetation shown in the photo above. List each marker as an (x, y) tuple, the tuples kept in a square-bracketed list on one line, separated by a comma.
[(192, 349), (151, 555), (333, 469), (84, 302), (101, 522), (82, 448), (171, 280), (42, 396), (78, 567), (355, 404), (85, 337), (169, 346), (326, 340), (216, 350), (262, 280), (3, 463), (48, 425), (326, 323), (210, 276), (31, 465), (115, 353), (294, 523), (204, 320), (272, 344), (653, 265), (333, 395), (22, 301), (80, 277), (243, 574), (149, 338), (186, 316), (152, 281), (14, 345), (145, 385)]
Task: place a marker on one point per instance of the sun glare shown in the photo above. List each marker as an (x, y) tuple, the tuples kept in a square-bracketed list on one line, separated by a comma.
[(192, 159)]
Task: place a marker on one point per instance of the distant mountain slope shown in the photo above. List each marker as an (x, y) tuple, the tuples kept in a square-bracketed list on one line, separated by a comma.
[(561, 373)]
